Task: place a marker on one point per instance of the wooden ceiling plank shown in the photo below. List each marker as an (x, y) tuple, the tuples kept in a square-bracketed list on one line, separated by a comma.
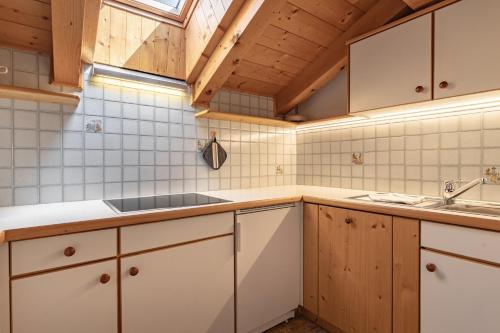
[(67, 34), (301, 23), (328, 64), (418, 4), (246, 29), (133, 40), (364, 5), (90, 23), (286, 42), (248, 85), (265, 56), (255, 71), (26, 12), (23, 37), (340, 13), (103, 33)]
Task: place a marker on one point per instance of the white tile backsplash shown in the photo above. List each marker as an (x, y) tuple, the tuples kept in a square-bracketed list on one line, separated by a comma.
[(148, 143)]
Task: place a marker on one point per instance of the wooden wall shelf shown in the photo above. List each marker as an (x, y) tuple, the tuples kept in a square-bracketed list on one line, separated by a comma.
[(210, 114), (38, 95)]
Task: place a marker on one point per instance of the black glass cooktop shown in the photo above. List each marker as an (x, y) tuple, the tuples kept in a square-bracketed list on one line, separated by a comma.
[(162, 202)]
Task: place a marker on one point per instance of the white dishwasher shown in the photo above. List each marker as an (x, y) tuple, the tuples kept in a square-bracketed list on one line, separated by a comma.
[(268, 266)]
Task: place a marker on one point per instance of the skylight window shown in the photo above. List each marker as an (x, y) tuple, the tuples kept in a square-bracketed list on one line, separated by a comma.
[(169, 6)]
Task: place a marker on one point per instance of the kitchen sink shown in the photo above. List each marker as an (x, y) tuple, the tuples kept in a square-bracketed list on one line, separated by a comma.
[(473, 208)]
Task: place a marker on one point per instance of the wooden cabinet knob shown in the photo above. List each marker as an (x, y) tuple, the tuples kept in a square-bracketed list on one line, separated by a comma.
[(348, 220), (133, 271), (69, 251), (105, 278), (419, 89), (443, 84), (431, 267)]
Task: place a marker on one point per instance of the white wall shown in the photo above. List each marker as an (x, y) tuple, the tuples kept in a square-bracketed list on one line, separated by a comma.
[(329, 101)]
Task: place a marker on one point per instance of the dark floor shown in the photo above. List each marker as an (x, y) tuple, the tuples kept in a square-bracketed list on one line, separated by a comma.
[(297, 325)]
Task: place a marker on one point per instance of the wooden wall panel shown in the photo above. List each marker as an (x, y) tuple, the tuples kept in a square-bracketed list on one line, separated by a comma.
[(26, 24), (132, 41), (406, 275), (90, 24), (311, 268)]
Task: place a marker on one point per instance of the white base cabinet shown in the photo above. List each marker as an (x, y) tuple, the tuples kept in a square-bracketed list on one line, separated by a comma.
[(460, 296), (183, 289), (268, 260), (70, 300)]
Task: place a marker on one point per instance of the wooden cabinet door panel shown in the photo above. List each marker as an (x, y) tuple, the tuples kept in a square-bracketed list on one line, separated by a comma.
[(385, 69), (311, 258), (460, 296), (188, 288), (355, 270), (466, 48), (71, 300)]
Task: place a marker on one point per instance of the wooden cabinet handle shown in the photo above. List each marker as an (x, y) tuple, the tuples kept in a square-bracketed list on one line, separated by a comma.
[(419, 89), (443, 84), (348, 220), (105, 278), (431, 267), (69, 251), (133, 271)]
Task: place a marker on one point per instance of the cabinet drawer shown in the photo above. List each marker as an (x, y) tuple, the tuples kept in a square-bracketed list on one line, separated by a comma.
[(474, 243), (153, 235), (51, 252)]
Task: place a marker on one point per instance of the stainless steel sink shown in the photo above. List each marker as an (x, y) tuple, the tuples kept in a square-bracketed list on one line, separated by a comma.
[(473, 208)]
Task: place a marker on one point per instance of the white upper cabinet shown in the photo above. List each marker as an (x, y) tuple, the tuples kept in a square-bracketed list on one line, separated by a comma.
[(393, 67), (466, 49)]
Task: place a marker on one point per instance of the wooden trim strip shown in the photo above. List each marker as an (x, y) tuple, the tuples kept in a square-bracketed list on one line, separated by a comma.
[(60, 268), (209, 114), (459, 256), (38, 95), (405, 19), (138, 11)]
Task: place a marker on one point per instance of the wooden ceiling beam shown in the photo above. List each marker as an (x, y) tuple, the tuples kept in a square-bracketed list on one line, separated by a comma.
[(90, 23), (418, 4), (330, 61), (248, 25), (67, 34)]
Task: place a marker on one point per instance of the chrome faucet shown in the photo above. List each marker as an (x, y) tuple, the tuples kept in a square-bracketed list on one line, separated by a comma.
[(450, 192)]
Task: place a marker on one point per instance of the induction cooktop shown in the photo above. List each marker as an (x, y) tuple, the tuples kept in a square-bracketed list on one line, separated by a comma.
[(162, 202)]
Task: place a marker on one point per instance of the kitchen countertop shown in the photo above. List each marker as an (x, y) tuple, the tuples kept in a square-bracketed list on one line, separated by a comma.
[(25, 222)]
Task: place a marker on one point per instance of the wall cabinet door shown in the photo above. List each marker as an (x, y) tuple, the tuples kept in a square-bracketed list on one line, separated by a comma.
[(355, 270), (76, 300), (393, 67), (268, 267), (188, 288), (466, 48), (459, 296)]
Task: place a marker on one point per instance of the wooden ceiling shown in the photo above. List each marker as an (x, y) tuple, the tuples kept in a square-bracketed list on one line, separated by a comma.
[(26, 24)]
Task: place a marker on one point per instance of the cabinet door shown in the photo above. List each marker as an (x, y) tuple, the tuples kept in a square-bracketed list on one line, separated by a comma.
[(386, 69), (268, 267), (460, 296), (71, 300), (466, 48), (355, 270), (188, 288)]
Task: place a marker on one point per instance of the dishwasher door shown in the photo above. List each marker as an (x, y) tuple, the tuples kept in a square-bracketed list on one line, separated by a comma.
[(268, 266)]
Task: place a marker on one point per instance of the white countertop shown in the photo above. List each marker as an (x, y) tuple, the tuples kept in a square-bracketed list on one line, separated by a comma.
[(16, 217)]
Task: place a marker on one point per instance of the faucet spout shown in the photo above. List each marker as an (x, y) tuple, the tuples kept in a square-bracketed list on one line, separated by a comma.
[(450, 193)]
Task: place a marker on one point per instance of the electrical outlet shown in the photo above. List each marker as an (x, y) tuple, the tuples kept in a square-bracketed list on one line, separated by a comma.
[(279, 170)]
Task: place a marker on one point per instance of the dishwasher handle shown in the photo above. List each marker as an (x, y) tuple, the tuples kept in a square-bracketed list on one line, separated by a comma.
[(237, 236)]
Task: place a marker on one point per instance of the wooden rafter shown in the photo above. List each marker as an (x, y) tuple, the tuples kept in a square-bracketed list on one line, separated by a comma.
[(417, 4), (90, 22), (67, 34), (330, 61), (248, 25)]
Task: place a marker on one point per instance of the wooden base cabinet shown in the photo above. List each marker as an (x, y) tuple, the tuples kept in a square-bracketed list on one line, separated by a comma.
[(355, 270), (458, 295), (77, 300), (187, 288)]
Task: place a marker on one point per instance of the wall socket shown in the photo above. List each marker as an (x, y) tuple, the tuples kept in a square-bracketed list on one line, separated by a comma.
[(279, 170)]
